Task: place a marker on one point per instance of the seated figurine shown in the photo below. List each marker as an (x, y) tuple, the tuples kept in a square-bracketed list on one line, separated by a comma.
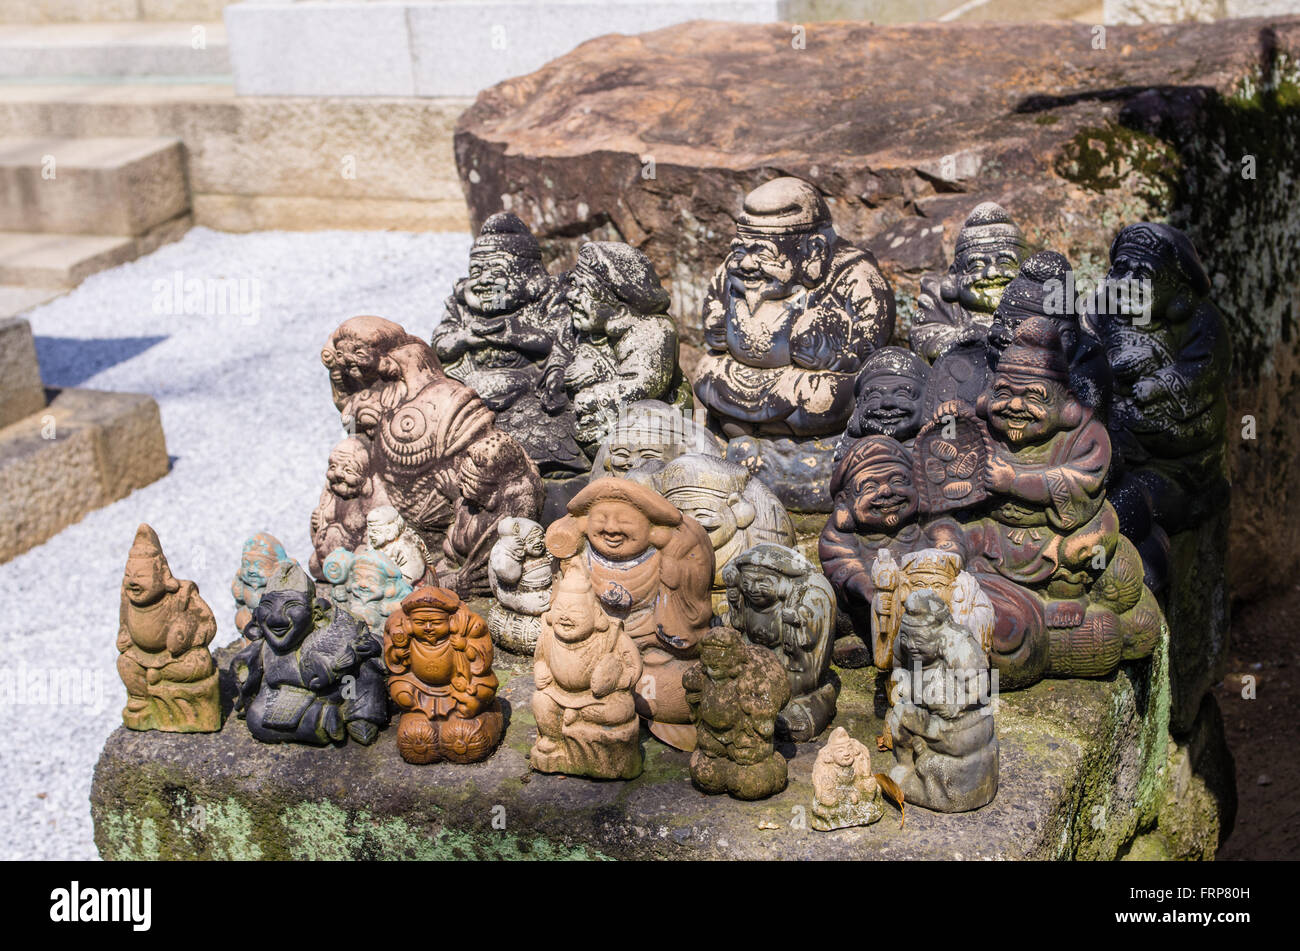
[(351, 491), (651, 568), (520, 570), (781, 602), (889, 398), (788, 319), (374, 588), (261, 555), (845, 791), (335, 570), (439, 659), (957, 311), (586, 671), (311, 672), (735, 692), (942, 572), (651, 431), (353, 356), (944, 742), (162, 639), (388, 534), (497, 481), (621, 345), (498, 329)]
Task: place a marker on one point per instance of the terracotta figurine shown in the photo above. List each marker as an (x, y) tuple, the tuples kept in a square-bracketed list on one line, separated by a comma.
[(651, 568), (944, 742), (162, 638), (520, 570), (258, 559), (586, 671), (335, 570), (780, 601), (845, 792), (736, 691), (439, 658), (388, 534), (351, 491), (311, 672), (889, 398), (353, 355), (941, 572), (499, 327)]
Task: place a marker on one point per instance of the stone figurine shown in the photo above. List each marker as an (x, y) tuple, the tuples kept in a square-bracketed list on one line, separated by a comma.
[(651, 568), (957, 310), (780, 601), (373, 589), (944, 741), (735, 692), (311, 672), (933, 569), (388, 534), (162, 640), (652, 431), (889, 398), (352, 490), (496, 334), (260, 556), (845, 791), (586, 671), (334, 571), (439, 658), (520, 571), (789, 317), (621, 343), (497, 481)]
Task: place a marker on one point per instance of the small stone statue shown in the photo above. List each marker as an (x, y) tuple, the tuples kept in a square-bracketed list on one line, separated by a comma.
[(260, 556), (586, 671), (163, 637), (498, 330), (311, 672), (335, 570), (788, 319), (780, 601), (520, 570), (439, 659), (651, 431), (388, 534), (497, 481), (651, 568), (941, 572), (737, 510), (374, 588), (889, 398), (845, 792), (621, 346), (957, 311), (944, 742), (351, 491), (735, 693)]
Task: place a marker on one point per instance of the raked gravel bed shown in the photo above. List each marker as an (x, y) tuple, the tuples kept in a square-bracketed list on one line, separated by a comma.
[(248, 420)]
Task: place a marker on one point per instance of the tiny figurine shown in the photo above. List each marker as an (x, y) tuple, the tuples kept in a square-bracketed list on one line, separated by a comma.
[(735, 692), (520, 571), (497, 481), (845, 792), (943, 737), (352, 490), (335, 570), (586, 671), (939, 571), (889, 398), (162, 639), (789, 317), (621, 345), (388, 534), (957, 311), (311, 672), (374, 588), (651, 431), (780, 601), (439, 658), (258, 559), (498, 330), (651, 568)]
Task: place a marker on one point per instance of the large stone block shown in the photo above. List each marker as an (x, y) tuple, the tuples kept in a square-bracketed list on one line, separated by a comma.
[(99, 51), (655, 139), (21, 393)]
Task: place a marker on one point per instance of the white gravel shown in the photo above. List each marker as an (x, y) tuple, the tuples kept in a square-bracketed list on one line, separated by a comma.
[(248, 420)]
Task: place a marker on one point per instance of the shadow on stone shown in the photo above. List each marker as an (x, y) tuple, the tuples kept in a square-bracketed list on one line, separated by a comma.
[(70, 361)]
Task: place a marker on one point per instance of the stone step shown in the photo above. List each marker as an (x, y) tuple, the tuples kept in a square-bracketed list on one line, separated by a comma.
[(16, 299), (65, 260), (104, 11), (21, 393), (101, 51), (113, 186)]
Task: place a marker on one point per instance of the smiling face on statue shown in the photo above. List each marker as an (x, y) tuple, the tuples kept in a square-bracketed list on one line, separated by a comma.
[(762, 587), (617, 529), (983, 271), (496, 282), (884, 496), (771, 267), (891, 405), (1026, 410)]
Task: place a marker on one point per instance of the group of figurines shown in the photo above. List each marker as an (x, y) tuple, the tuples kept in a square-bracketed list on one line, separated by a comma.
[(998, 499)]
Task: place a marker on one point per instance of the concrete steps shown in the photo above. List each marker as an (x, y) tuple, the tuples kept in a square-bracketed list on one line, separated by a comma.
[(174, 52), (104, 11)]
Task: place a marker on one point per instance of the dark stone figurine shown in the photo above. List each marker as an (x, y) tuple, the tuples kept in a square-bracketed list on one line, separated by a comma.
[(312, 672), (735, 693)]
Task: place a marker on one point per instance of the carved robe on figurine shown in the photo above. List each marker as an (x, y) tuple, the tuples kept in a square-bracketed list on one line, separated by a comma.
[(779, 601), (258, 560), (520, 570), (162, 639), (651, 568), (499, 327), (439, 659), (586, 671)]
